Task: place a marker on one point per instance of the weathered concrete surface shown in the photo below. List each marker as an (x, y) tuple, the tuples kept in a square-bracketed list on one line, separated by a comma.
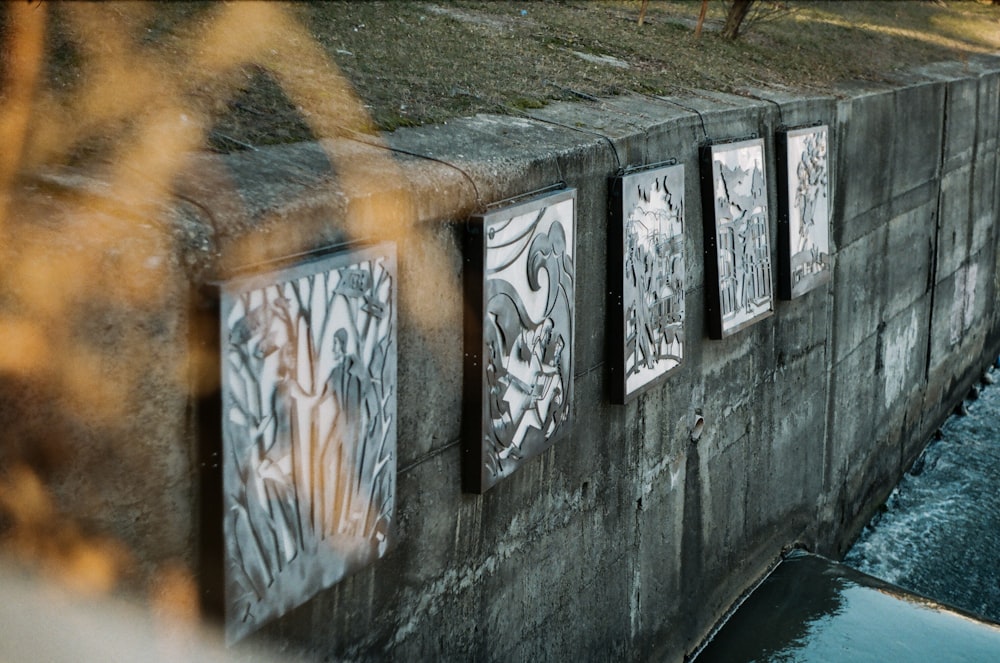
[(628, 539), (94, 389)]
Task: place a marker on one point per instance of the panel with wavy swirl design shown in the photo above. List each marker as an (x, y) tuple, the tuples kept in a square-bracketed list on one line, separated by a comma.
[(526, 322)]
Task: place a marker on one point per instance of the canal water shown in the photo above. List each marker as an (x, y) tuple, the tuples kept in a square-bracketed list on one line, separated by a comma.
[(921, 584), (939, 533), (813, 610)]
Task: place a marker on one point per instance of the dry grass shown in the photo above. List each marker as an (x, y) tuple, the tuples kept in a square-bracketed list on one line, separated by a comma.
[(418, 62), (424, 62)]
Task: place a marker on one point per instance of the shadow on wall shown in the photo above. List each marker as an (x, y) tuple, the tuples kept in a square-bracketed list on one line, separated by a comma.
[(89, 269)]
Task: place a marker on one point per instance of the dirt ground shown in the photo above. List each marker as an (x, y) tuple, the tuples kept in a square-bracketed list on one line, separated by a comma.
[(416, 62), (411, 63)]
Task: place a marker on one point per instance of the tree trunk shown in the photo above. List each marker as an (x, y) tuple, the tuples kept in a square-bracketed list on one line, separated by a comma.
[(737, 12)]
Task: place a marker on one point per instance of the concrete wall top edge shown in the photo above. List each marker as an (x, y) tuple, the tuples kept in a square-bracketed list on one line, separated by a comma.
[(974, 66), (484, 158)]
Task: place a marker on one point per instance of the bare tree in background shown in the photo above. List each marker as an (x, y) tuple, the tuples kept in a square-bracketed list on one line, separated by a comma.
[(738, 11), (742, 13)]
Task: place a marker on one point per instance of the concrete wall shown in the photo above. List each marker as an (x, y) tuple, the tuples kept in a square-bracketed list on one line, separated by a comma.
[(628, 540)]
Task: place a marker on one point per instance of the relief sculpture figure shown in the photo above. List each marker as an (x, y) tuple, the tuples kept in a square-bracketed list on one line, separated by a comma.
[(527, 334), (741, 233), (808, 213), (742, 224), (654, 280), (309, 432)]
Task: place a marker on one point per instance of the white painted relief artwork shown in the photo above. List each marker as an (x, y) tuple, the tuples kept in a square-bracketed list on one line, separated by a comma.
[(653, 275), (527, 326), (743, 250), (309, 429), (808, 208)]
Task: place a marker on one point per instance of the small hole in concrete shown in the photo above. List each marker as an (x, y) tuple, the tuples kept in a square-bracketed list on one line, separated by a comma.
[(697, 428)]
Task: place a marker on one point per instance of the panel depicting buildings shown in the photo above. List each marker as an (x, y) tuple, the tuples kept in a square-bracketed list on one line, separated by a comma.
[(739, 212), (522, 341), (309, 429), (805, 210), (652, 278)]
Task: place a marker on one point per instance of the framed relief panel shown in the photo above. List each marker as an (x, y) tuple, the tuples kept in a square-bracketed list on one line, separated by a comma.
[(803, 210), (738, 283), (520, 283), (646, 262), (308, 405)]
